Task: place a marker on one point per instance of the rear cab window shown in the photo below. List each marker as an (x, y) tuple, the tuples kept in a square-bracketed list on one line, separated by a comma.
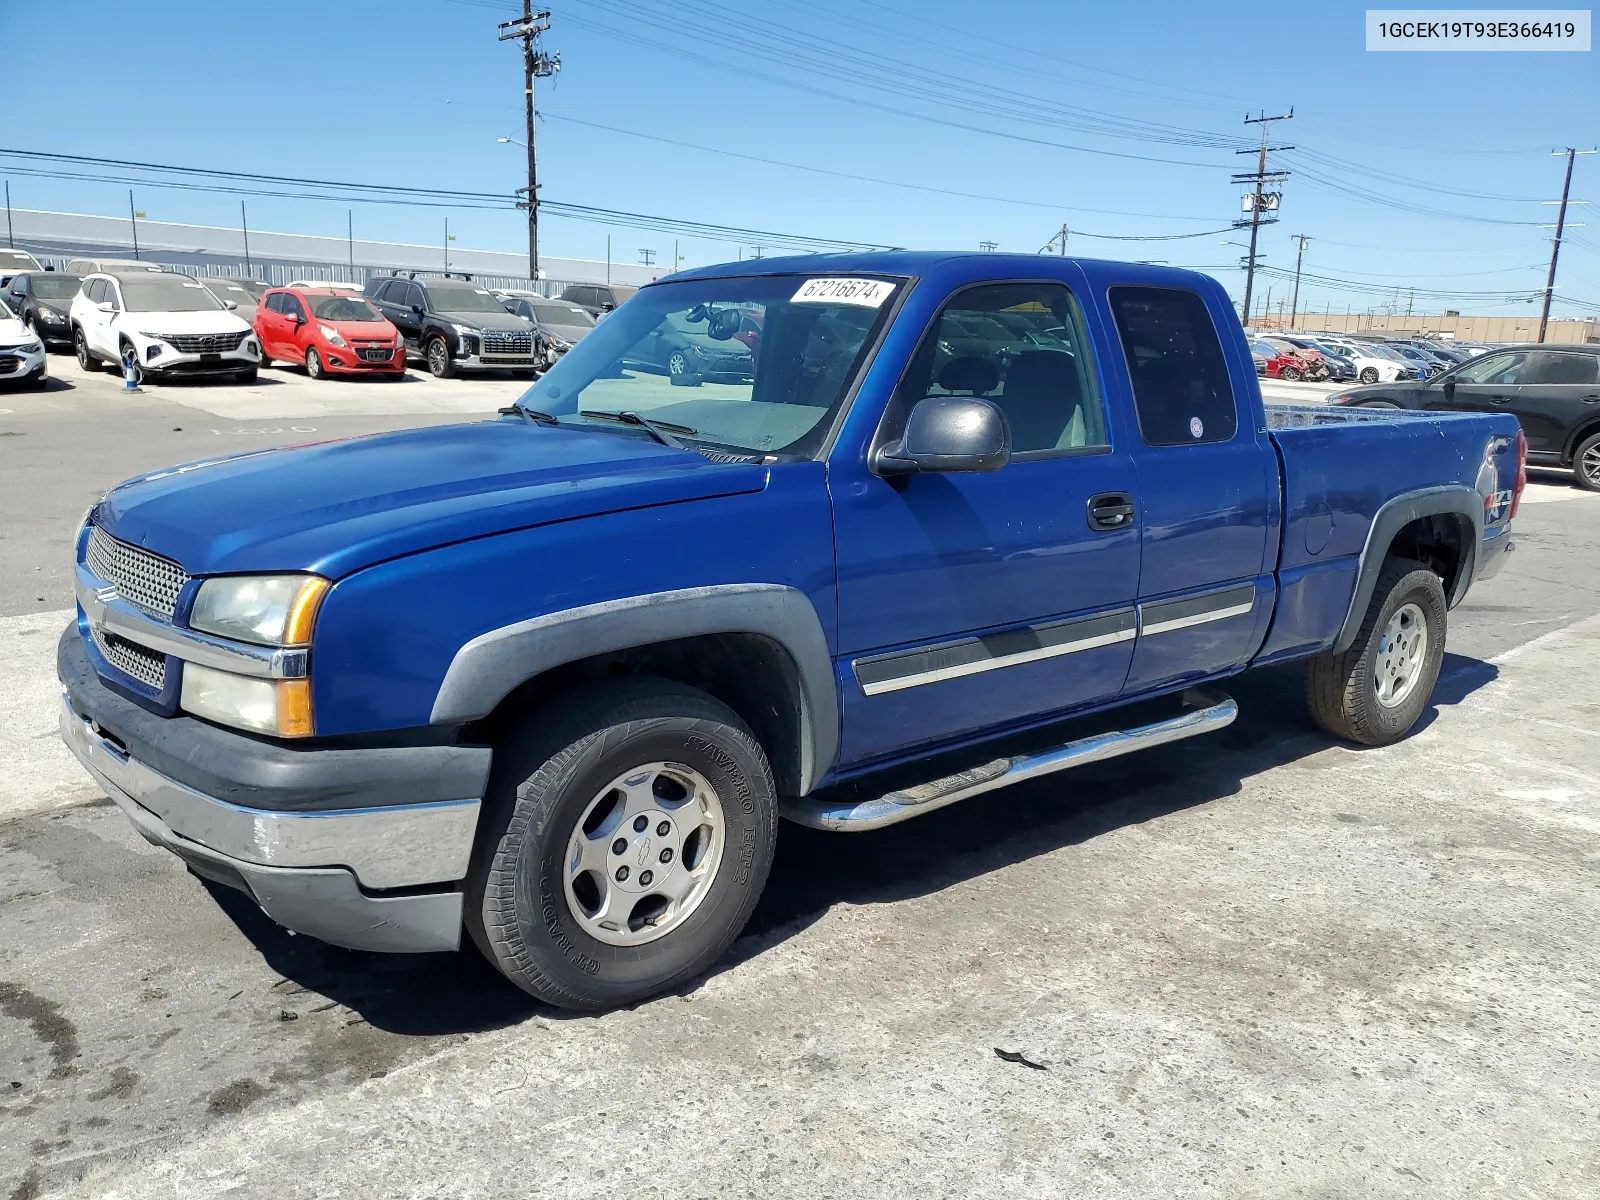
[(1182, 392)]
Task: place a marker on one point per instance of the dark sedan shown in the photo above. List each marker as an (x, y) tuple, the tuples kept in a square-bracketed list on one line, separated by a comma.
[(41, 300), (1554, 390)]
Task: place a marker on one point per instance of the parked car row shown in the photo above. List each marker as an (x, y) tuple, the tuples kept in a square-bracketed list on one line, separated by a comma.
[(128, 313), (1341, 357)]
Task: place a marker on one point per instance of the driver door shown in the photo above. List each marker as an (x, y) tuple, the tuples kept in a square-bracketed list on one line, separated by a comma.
[(97, 330), (976, 601)]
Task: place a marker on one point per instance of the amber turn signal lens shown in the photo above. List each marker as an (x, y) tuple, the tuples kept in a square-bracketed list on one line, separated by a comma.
[(294, 708), (303, 612)]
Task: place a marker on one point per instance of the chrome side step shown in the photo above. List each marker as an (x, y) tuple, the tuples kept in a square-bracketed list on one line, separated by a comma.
[(1208, 711)]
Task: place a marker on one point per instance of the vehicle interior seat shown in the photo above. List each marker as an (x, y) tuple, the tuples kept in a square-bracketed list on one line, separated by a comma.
[(970, 374), (1043, 402)]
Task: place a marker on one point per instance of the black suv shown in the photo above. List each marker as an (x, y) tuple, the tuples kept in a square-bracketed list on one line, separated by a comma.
[(1553, 389), (598, 298), (41, 300), (457, 325)]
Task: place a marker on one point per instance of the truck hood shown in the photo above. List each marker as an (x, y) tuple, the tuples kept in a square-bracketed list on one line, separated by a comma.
[(336, 507)]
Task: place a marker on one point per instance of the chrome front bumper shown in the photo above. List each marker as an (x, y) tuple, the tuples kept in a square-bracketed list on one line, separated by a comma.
[(307, 870)]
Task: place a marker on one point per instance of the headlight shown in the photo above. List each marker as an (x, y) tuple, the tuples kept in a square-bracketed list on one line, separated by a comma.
[(33, 348), (269, 610), (332, 335), (463, 330), (280, 707)]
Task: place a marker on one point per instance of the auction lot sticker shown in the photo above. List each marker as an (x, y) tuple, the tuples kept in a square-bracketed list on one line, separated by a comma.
[(1478, 29), (869, 293)]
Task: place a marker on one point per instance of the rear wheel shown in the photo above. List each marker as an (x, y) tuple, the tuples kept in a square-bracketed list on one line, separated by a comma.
[(80, 346), (1586, 464), (314, 367), (625, 839), (1374, 692)]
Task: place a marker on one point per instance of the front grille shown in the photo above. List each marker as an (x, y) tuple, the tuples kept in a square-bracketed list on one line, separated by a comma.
[(150, 581), (507, 341), (376, 353), (9, 362), (132, 659), (204, 343)]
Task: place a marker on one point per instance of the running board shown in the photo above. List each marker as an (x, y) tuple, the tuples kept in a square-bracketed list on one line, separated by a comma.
[(1207, 710)]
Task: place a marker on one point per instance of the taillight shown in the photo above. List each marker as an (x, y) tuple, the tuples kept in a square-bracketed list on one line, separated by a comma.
[(1522, 472)]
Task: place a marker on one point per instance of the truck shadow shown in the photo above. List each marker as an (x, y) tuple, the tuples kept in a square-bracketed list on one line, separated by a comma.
[(441, 994)]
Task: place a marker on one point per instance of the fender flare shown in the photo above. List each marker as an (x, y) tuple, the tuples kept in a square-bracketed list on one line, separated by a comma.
[(486, 669), (1455, 500)]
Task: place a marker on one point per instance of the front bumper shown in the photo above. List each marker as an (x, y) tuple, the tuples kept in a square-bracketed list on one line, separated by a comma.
[(321, 838), (349, 360), (16, 363)]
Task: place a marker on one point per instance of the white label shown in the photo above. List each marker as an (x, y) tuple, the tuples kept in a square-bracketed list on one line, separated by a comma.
[(1197, 427), (869, 293), (192, 283), (1477, 29)]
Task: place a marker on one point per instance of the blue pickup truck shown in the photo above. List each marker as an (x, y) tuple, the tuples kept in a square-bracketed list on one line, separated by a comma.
[(903, 529)]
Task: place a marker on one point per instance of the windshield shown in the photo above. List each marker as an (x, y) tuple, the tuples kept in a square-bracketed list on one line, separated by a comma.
[(554, 312), (55, 287), (463, 299), (231, 291), (343, 308), (759, 364), (166, 293), (18, 259)]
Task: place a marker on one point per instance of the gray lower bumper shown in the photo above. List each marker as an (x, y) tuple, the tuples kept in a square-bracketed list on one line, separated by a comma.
[(305, 870)]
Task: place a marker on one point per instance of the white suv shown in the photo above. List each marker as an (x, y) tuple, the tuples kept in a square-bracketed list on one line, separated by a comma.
[(165, 323)]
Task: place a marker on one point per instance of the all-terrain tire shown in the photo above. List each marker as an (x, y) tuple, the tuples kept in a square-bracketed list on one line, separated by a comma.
[(548, 770), (1342, 689)]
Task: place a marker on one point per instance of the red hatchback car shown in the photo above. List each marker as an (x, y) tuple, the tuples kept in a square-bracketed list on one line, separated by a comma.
[(330, 332)]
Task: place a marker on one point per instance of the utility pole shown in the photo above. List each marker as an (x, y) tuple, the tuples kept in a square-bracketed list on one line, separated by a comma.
[(647, 257), (1260, 200), (244, 224), (1058, 243), (350, 240), (988, 247), (1294, 306), (536, 64), (134, 217), (9, 240), (1555, 250), (447, 240)]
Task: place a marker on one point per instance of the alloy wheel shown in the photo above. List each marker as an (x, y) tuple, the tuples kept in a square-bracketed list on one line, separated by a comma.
[(1401, 654), (1590, 465), (644, 854)]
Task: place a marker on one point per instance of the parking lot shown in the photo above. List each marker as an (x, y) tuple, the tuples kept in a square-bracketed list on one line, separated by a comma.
[(1263, 964)]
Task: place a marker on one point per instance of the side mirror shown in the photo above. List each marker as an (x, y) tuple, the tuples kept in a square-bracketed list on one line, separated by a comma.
[(298, 318), (1450, 386), (607, 307), (230, 305), (106, 306), (947, 434), (417, 308)]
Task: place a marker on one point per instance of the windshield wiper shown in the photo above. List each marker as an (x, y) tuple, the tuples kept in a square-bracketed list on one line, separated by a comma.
[(531, 415), (656, 429)]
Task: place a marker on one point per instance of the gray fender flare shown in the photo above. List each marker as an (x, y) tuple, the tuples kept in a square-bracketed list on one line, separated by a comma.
[(1457, 500), (487, 668)]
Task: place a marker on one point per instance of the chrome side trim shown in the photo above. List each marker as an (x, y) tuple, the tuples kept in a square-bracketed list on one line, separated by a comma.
[(989, 653), (1208, 711), (402, 846), (108, 611), (1189, 611)]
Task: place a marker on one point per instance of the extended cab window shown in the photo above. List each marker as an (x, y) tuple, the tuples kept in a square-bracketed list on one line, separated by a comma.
[(1020, 345), (1181, 389), (753, 363)]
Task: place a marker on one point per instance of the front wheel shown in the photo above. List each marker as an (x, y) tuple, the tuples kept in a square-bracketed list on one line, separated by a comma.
[(678, 363), (80, 346), (440, 365), (314, 367), (1369, 375), (625, 839), (1586, 464), (1374, 692), (1292, 374)]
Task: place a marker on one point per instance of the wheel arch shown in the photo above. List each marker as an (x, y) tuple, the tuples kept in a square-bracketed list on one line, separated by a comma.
[(758, 648), (1585, 430), (1440, 526)]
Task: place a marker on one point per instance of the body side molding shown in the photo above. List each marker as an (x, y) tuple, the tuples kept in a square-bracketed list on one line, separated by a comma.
[(487, 668)]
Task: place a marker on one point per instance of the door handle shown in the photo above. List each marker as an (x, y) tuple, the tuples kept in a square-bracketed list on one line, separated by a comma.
[(1110, 510), (1591, 399), (1500, 399)]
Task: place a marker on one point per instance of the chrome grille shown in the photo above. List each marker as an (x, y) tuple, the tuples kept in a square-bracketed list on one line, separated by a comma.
[(507, 341), (150, 581), (132, 659), (203, 343)]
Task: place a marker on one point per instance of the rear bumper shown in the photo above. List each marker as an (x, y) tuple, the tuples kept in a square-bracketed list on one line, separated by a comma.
[(316, 838), (1493, 551)]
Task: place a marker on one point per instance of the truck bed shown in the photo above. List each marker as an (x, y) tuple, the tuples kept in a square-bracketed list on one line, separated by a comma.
[(1340, 467)]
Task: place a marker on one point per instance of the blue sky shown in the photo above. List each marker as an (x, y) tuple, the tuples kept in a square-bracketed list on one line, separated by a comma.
[(923, 123)]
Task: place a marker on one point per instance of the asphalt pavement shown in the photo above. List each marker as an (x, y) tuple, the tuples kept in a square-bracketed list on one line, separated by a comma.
[(1255, 964)]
